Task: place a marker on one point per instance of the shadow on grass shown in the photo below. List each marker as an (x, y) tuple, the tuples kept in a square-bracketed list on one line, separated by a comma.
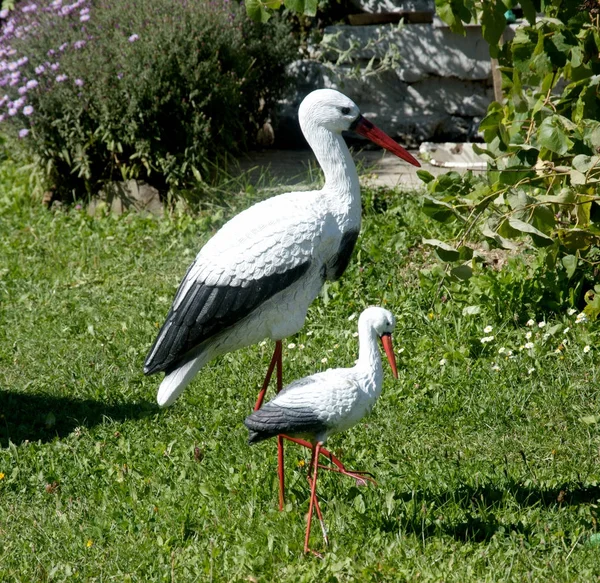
[(45, 417), (481, 507)]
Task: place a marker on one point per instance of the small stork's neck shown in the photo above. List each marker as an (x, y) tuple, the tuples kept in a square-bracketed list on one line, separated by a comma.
[(341, 178), (369, 357)]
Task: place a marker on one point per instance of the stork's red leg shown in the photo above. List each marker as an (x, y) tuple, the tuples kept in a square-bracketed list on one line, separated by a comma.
[(275, 360), (280, 464), (360, 477), (313, 497)]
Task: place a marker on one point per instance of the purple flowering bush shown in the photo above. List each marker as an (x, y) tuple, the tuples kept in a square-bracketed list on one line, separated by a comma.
[(116, 89)]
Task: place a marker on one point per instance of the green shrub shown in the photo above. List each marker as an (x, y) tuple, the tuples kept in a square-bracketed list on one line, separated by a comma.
[(119, 89)]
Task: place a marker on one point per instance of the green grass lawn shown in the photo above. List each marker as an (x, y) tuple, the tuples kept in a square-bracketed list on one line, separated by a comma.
[(488, 466)]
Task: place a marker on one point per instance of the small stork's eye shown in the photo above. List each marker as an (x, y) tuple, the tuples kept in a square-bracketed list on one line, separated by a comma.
[(345, 110)]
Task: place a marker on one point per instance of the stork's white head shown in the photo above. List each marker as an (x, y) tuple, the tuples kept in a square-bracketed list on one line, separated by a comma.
[(331, 110), (328, 108), (382, 322)]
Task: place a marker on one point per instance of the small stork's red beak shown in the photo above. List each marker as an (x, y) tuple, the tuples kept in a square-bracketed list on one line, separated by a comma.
[(365, 128), (386, 340)]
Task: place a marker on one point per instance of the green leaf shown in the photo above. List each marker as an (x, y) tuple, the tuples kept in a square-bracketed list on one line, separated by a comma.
[(444, 251), (503, 242), (359, 504), (471, 310), (437, 209), (551, 135), (577, 178), (574, 239), (529, 11), (462, 272), (307, 7), (540, 239), (256, 10), (590, 420), (445, 10), (565, 196), (425, 176), (583, 163), (493, 23), (570, 264)]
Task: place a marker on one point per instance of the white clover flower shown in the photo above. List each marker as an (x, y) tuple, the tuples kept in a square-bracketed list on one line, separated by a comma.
[(354, 334), (557, 351), (400, 350), (529, 345), (528, 335), (501, 350), (541, 324), (509, 353), (571, 311), (581, 318), (546, 336), (530, 322), (301, 346), (291, 345), (324, 360), (487, 329), (530, 370), (309, 333), (486, 339), (566, 330), (565, 341), (586, 348), (352, 317), (495, 367), (263, 343), (443, 362)]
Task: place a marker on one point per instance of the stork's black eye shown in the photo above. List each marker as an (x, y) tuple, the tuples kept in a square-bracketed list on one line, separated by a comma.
[(345, 110)]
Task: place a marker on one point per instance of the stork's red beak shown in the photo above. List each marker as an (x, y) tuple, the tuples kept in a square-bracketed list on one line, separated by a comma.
[(386, 340), (365, 128)]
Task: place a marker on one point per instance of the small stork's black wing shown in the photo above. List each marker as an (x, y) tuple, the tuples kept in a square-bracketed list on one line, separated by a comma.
[(292, 411), (201, 310)]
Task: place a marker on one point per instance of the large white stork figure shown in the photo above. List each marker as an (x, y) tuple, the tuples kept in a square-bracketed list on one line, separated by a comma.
[(328, 402), (259, 273)]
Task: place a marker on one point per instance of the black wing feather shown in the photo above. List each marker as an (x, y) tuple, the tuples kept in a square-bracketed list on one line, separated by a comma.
[(273, 419), (205, 311), (341, 260)]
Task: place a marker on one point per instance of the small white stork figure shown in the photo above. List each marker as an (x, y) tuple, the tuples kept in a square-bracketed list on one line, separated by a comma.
[(325, 403), (259, 273)]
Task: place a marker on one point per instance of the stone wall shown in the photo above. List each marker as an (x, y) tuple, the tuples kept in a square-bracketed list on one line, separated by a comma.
[(439, 90)]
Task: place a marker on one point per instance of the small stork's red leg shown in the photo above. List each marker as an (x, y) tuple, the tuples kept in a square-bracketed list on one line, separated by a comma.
[(275, 360), (318, 509), (360, 477), (313, 497)]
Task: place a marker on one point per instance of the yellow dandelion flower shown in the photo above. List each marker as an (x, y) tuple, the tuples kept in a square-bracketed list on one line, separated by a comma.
[(89, 543), (1, 475), (301, 463)]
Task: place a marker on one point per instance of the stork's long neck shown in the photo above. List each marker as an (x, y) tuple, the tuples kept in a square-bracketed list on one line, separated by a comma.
[(341, 178), (369, 358)]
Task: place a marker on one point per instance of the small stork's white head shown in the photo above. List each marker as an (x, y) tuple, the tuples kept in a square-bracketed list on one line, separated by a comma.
[(382, 322), (379, 319), (329, 109)]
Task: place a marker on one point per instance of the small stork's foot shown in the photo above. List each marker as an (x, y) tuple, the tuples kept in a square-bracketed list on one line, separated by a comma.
[(362, 478), (315, 553)]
